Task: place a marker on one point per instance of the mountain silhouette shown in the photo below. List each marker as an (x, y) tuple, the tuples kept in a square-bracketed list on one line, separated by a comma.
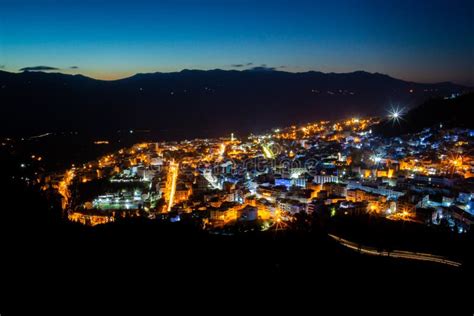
[(198, 103)]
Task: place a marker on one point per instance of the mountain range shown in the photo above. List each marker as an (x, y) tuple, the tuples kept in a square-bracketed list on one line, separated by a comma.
[(199, 103)]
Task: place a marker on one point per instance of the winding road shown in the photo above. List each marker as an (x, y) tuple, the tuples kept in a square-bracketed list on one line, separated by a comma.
[(395, 253)]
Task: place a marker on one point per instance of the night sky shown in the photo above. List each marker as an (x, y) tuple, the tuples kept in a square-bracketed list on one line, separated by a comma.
[(425, 41)]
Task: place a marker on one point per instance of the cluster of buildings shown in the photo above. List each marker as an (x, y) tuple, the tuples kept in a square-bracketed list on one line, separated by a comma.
[(425, 177)]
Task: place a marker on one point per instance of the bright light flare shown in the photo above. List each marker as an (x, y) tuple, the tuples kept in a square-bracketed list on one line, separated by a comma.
[(396, 114)]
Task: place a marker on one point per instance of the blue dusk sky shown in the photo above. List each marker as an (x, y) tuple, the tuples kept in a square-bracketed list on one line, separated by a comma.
[(425, 41)]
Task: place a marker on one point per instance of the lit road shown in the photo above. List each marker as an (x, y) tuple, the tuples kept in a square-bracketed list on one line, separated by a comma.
[(171, 184), (395, 253), (63, 188), (267, 151)]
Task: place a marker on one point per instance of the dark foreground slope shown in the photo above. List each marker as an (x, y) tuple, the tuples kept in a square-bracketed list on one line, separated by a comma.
[(449, 113), (47, 260)]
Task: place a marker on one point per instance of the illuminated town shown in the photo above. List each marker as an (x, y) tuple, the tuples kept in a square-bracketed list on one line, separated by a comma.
[(261, 181), (208, 153)]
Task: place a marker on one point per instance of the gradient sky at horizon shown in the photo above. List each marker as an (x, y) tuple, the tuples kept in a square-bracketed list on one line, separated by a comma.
[(425, 41)]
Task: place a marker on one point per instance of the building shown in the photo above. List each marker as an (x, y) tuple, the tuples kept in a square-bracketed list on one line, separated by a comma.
[(247, 213), (337, 189), (225, 213), (321, 179), (355, 195), (90, 219), (291, 206), (182, 192)]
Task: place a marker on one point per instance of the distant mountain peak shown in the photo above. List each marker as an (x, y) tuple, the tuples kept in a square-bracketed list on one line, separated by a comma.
[(202, 100)]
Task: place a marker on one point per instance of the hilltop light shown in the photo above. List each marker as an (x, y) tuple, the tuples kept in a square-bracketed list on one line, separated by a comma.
[(395, 114)]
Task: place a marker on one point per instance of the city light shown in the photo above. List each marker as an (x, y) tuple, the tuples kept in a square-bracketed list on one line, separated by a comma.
[(375, 158)]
